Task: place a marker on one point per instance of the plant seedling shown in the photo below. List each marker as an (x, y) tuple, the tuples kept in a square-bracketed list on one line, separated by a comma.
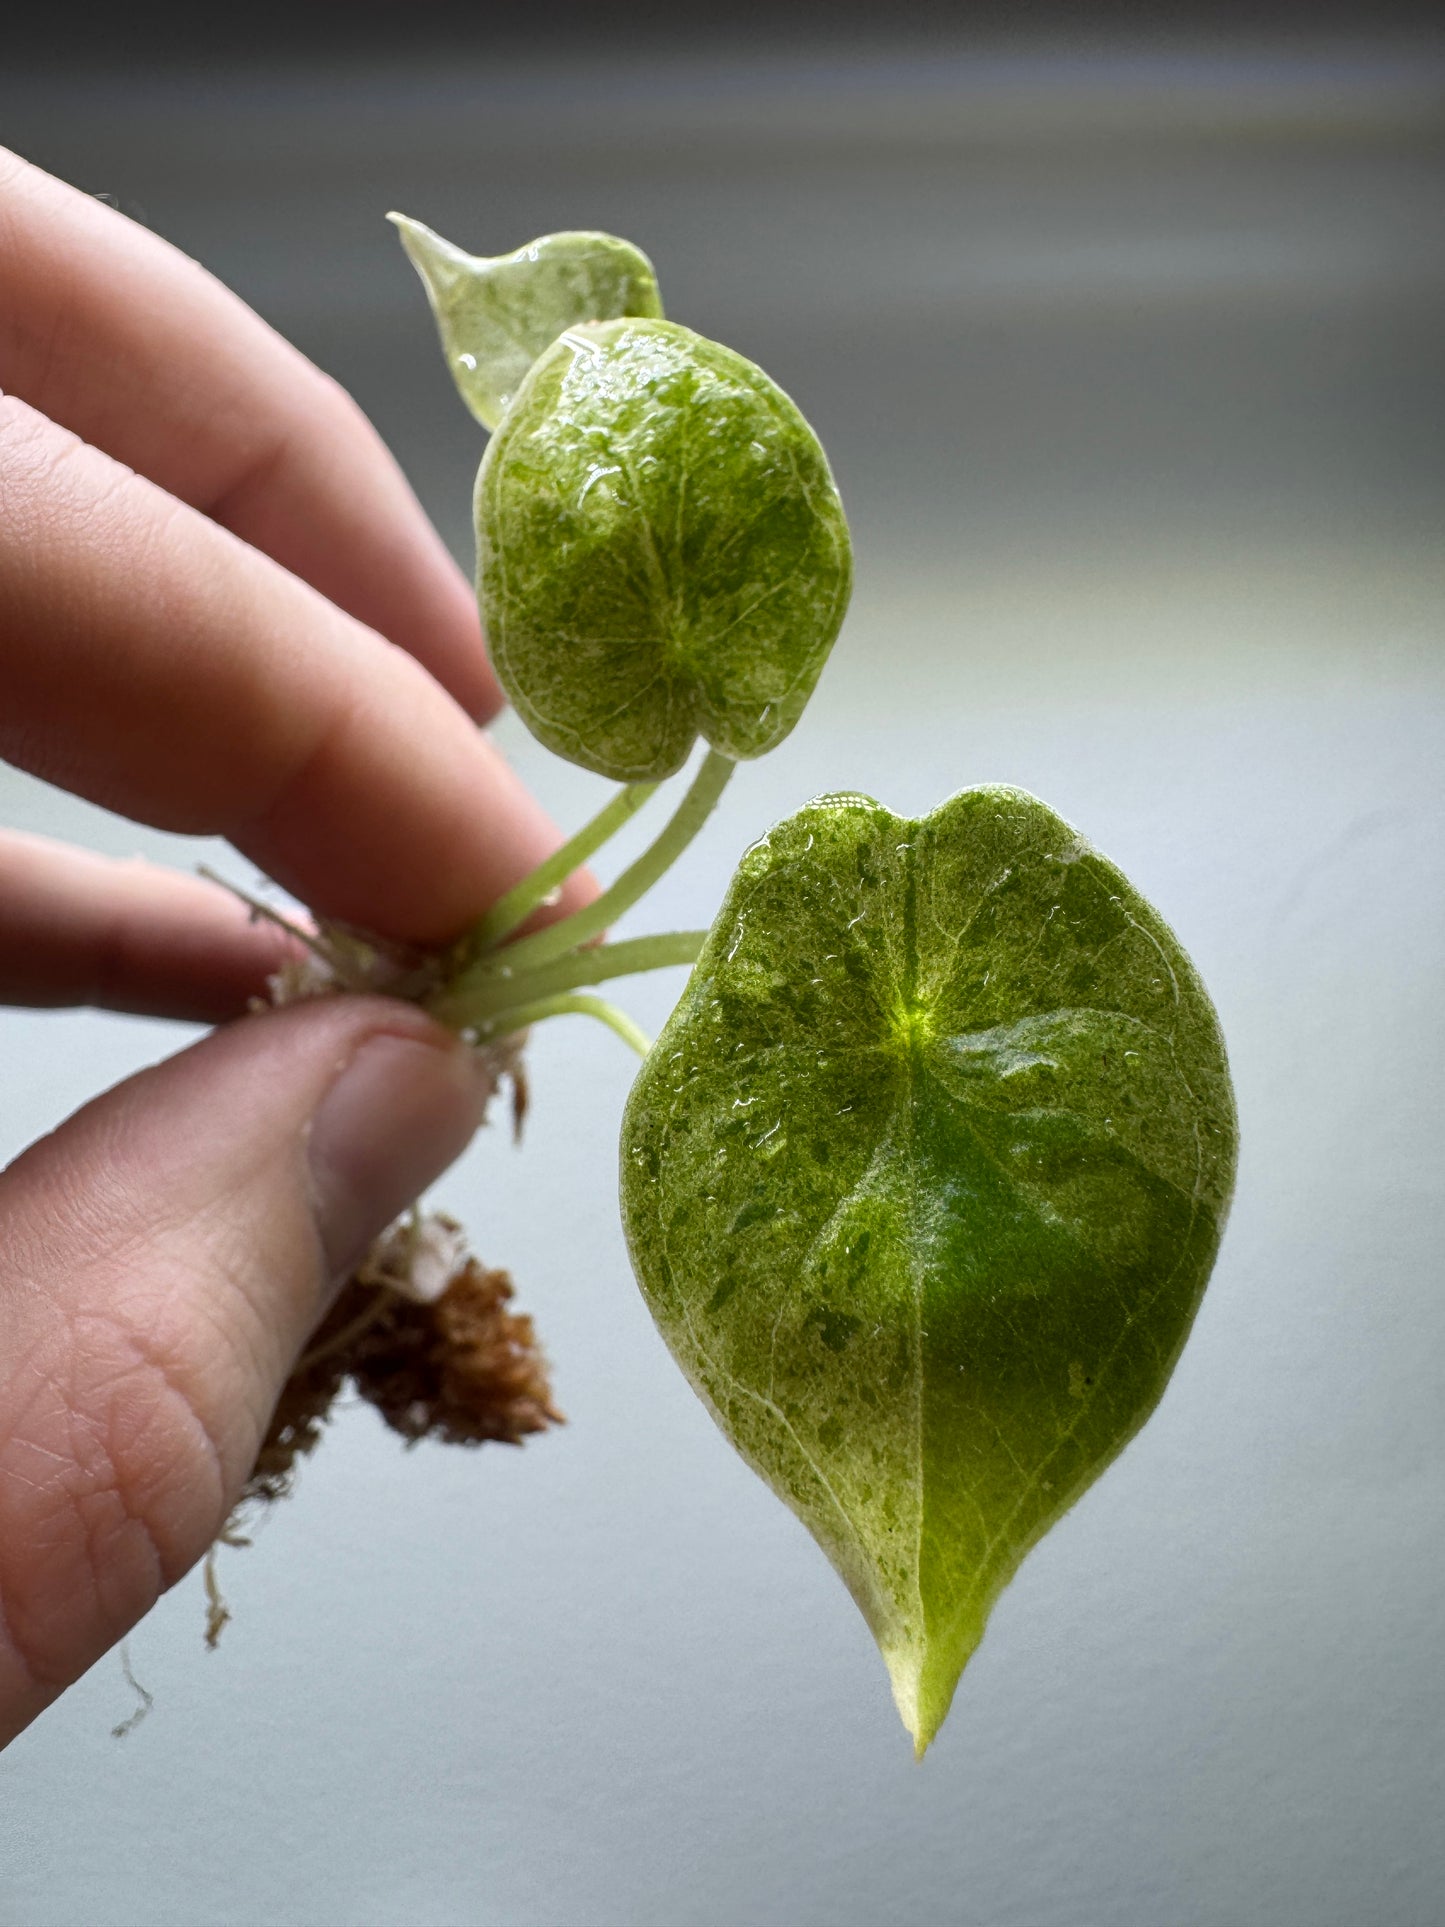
[(924, 1178)]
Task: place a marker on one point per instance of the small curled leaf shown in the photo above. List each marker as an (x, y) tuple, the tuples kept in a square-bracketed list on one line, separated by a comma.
[(495, 316), (662, 552), (922, 1183)]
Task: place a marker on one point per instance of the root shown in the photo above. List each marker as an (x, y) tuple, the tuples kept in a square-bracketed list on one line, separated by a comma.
[(144, 1700), (218, 1613)]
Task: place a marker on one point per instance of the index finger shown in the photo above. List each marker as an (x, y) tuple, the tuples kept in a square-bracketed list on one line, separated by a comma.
[(135, 348)]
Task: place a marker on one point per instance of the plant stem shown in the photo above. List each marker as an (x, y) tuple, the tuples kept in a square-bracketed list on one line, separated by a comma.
[(558, 938), (579, 1004), (478, 1000), (523, 898)]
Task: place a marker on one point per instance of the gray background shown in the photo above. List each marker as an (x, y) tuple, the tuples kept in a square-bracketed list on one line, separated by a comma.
[(1128, 359)]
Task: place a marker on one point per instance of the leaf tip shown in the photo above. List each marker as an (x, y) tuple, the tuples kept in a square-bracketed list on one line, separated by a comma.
[(411, 232), (921, 1722), (905, 1676), (438, 261), (924, 1684)]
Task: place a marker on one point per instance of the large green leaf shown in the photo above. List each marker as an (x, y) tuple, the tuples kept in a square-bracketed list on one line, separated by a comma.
[(496, 315), (662, 551), (923, 1182)]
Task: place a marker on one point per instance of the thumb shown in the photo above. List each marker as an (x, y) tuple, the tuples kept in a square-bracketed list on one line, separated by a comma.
[(163, 1256)]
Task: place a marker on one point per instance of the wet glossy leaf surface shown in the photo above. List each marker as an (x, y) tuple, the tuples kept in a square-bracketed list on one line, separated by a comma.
[(662, 551), (923, 1182), (496, 315)]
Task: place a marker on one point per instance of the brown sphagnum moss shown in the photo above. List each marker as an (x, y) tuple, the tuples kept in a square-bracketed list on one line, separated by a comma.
[(425, 1333), (458, 1365)]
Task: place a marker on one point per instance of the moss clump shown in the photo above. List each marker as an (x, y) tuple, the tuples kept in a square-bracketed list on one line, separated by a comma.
[(462, 1368)]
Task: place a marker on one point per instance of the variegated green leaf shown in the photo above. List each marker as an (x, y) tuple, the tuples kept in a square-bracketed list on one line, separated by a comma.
[(495, 316), (662, 553), (923, 1182)]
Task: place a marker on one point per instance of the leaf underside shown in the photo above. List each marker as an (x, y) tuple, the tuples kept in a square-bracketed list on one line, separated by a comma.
[(495, 316), (662, 553), (923, 1182)]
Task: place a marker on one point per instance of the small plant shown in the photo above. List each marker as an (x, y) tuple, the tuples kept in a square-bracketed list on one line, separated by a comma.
[(925, 1176)]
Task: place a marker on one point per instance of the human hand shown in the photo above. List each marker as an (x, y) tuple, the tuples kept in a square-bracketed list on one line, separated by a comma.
[(221, 612)]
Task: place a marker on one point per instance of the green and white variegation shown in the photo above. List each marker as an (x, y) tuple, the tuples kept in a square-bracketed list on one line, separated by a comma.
[(923, 1182), (495, 316)]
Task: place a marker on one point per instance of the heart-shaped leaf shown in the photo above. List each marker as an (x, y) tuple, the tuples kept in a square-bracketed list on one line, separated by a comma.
[(495, 316), (662, 551), (922, 1182)]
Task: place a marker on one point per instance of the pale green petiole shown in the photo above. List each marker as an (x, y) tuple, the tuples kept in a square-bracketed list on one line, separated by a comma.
[(580, 1005), (490, 1001), (534, 889), (634, 883)]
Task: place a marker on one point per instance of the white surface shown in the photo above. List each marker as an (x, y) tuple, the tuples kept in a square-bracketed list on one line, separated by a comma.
[(1169, 562)]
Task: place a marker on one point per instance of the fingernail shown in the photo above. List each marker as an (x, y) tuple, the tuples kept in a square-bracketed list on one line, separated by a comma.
[(400, 1112)]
